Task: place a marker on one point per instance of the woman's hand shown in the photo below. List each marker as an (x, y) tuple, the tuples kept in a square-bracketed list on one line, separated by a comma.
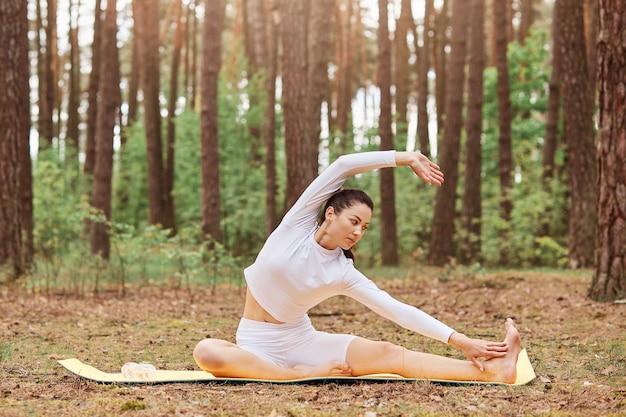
[(475, 349), (428, 171)]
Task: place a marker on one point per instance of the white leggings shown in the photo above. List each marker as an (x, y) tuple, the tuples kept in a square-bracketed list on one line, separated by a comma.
[(292, 344)]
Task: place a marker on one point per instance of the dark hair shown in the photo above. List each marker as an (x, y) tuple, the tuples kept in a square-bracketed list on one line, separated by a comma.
[(342, 199)]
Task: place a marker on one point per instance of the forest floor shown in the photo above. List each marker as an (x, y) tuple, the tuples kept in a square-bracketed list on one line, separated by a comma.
[(577, 347)]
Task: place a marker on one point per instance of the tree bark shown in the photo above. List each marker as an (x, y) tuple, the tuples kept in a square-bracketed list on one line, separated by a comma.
[(266, 40), (14, 132), (527, 13), (211, 64), (73, 99), (387, 184), (319, 45), (251, 45), (168, 174), (191, 55), (590, 14), (135, 71), (442, 233), (48, 78), (505, 116), (609, 275), (94, 82), (343, 83), (108, 106), (471, 212), (578, 116), (554, 99), (301, 168), (423, 64), (402, 78), (440, 63), (149, 13)]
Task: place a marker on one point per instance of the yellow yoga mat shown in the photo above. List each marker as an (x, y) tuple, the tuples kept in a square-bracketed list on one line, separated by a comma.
[(525, 374)]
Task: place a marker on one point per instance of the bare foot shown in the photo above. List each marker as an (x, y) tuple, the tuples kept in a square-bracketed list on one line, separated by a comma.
[(331, 368), (505, 369)]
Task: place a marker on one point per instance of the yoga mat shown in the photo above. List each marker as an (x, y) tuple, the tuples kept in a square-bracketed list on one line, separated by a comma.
[(525, 374)]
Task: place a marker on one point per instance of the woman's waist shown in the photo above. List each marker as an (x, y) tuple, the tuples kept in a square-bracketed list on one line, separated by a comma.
[(254, 311)]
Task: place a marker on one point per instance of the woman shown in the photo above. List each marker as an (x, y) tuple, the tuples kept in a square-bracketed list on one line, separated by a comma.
[(303, 263)]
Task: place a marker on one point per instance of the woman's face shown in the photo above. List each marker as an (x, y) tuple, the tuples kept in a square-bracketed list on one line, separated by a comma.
[(347, 227)]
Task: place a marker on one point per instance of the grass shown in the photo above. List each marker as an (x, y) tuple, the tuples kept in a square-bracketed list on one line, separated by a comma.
[(578, 348)]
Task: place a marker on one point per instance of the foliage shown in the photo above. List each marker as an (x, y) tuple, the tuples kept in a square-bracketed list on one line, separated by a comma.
[(130, 179), (140, 252), (58, 204), (242, 184), (535, 205)]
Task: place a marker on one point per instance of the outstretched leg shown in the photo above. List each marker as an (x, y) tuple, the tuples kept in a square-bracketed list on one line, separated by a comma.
[(225, 359), (368, 357)]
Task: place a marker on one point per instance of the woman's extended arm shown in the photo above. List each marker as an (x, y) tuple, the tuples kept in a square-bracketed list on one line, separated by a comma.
[(304, 211)]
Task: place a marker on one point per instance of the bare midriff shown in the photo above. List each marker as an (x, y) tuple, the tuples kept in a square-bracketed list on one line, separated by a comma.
[(254, 311)]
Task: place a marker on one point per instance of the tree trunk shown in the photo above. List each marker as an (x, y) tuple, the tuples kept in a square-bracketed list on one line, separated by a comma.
[(135, 71), (125, 183), (471, 212), (442, 234), (301, 168), (440, 58), (191, 55), (343, 91), (554, 100), (364, 78), (402, 78), (108, 106), (94, 82), (73, 99), (14, 131), (211, 64), (496, 31), (269, 129), (171, 121), (250, 42), (387, 184), (578, 115), (149, 13), (590, 13), (527, 13), (48, 78), (423, 65), (505, 116), (319, 45), (265, 55), (609, 275)]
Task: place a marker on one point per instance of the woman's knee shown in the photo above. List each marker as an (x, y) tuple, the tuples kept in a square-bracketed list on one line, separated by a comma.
[(209, 353)]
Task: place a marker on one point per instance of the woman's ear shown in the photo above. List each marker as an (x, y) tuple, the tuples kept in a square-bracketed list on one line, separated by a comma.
[(330, 211)]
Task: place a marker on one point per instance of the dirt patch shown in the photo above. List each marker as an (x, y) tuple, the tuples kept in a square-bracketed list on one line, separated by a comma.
[(578, 349)]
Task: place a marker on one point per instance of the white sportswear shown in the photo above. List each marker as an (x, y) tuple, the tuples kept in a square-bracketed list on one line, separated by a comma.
[(294, 273)]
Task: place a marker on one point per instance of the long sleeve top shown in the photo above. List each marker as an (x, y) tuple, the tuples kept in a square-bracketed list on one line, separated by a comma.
[(293, 273)]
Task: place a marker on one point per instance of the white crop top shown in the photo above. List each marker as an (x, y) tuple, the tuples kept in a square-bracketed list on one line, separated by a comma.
[(292, 273)]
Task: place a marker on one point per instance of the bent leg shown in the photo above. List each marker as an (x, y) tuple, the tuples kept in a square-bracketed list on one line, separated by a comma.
[(368, 357), (226, 359)]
